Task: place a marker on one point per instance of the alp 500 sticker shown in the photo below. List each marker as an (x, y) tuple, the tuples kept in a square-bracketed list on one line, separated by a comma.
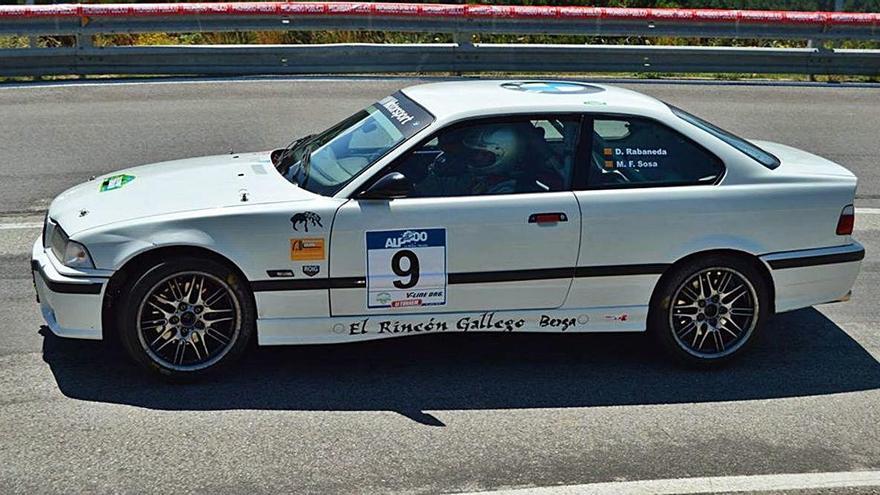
[(406, 268)]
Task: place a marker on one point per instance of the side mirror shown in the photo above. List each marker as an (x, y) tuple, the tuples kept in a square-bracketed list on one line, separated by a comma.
[(392, 185)]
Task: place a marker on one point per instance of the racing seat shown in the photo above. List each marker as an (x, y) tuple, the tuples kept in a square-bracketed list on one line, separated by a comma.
[(539, 162)]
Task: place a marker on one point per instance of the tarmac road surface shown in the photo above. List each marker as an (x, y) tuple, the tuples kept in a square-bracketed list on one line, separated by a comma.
[(433, 413)]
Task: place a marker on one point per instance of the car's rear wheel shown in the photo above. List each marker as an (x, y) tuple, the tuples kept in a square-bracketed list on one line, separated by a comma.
[(710, 310), (186, 317)]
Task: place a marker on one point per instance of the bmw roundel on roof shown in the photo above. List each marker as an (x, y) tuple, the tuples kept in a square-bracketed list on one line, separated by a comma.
[(558, 88)]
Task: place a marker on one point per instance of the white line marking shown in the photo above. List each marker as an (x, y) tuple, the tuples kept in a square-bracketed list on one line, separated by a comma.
[(868, 211), (727, 484), (23, 225)]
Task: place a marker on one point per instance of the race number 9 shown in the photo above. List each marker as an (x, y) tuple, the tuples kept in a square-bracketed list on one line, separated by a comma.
[(406, 268), (412, 272)]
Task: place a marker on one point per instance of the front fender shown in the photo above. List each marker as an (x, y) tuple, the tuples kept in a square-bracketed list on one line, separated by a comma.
[(256, 239), (113, 251)]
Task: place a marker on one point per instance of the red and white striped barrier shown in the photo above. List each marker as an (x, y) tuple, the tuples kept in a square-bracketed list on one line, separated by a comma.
[(366, 9)]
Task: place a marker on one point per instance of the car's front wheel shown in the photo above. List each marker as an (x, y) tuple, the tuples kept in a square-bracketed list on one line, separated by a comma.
[(186, 317), (709, 310)]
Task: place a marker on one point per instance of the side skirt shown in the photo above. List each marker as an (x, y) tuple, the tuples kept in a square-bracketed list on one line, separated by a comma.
[(291, 331)]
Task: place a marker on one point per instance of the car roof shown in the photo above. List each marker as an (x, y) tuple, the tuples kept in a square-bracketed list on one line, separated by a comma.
[(461, 99)]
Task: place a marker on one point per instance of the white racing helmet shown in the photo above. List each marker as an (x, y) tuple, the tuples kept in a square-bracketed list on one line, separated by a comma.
[(492, 149)]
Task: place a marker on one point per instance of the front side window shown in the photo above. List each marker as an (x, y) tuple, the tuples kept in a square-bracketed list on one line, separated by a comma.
[(637, 152), (517, 155), (324, 163)]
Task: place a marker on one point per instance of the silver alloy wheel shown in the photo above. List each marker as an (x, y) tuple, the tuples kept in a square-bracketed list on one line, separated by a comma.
[(714, 312), (188, 321)]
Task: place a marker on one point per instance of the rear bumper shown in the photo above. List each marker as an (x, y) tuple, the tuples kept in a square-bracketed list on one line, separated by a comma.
[(71, 306), (814, 276)]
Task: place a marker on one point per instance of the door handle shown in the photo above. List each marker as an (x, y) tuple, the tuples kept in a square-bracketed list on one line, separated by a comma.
[(548, 217)]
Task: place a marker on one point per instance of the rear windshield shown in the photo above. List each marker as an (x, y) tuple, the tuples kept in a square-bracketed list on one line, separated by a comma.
[(754, 152)]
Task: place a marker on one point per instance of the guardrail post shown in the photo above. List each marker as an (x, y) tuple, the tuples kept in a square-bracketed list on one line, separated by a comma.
[(84, 41), (822, 58), (33, 41), (464, 41), (817, 44)]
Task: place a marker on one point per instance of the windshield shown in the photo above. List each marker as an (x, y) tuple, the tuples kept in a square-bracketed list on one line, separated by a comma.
[(324, 163), (737, 142)]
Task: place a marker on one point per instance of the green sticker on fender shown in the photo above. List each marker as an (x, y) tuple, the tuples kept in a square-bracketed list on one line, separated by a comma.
[(115, 182)]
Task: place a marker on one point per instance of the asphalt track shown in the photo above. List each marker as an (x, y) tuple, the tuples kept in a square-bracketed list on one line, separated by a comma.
[(441, 413)]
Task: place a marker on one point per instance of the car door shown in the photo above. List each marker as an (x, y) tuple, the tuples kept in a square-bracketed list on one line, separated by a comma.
[(491, 224), (647, 196)]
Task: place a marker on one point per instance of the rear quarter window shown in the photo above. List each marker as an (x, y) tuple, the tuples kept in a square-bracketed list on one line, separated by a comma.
[(754, 152), (638, 152)]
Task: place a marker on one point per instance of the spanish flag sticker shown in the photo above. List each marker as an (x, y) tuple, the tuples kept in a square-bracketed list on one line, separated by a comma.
[(609, 164), (608, 151)]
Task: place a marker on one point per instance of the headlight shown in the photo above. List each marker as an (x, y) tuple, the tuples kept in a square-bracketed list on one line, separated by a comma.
[(77, 256), (57, 240), (70, 253)]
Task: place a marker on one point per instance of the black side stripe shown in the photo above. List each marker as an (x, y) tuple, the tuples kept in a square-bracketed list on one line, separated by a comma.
[(620, 270), (276, 285), (468, 277), (823, 259), (309, 284), (347, 282), (67, 287), (509, 276)]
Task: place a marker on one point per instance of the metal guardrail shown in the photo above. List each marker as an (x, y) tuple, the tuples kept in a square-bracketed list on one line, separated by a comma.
[(462, 21)]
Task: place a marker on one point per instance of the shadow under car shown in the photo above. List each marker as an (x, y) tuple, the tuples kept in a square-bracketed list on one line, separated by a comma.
[(798, 354)]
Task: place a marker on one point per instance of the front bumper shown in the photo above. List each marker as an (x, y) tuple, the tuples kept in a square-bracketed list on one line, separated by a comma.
[(71, 306), (814, 276)]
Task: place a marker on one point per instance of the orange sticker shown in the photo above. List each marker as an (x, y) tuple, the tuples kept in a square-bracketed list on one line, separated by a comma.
[(311, 249), (608, 151), (609, 164)]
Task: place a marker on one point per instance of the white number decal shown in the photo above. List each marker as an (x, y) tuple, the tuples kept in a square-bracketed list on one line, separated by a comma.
[(406, 268)]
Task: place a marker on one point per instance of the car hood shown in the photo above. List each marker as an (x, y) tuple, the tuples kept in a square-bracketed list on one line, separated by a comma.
[(223, 181)]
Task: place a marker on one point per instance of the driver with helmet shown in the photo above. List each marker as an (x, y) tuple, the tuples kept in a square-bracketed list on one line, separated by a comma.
[(490, 159)]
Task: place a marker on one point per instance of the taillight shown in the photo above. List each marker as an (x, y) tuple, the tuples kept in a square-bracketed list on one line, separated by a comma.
[(846, 221)]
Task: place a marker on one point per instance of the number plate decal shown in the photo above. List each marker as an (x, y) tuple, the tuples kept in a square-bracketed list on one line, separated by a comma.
[(406, 268)]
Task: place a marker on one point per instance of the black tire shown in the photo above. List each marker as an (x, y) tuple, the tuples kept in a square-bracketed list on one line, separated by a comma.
[(189, 328), (684, 335)]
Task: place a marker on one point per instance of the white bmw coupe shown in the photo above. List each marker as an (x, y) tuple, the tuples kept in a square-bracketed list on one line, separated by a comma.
[(498, 206)]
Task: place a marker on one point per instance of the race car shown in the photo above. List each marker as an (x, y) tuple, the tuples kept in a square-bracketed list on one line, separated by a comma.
[(478, 206)]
